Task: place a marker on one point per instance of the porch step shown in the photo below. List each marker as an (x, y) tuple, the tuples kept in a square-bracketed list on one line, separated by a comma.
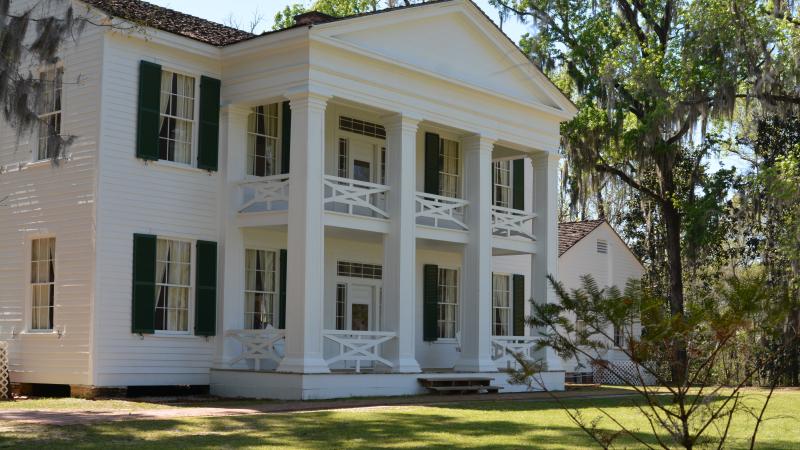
[(458, 385)]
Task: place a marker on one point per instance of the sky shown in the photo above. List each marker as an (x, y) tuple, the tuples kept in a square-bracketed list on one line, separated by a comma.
[(242, 11)]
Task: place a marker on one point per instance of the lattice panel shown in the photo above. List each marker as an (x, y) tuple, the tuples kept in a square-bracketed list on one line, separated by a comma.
[(622, 373), (5, 380)]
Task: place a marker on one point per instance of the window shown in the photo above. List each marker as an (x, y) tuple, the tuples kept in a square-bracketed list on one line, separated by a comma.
[(177, 117), (260, 289), (501, 305), (449, 169), (359, 270), (173, 284), (383, 166), (619, 336), (344, 158), (49, 110), (43, 277), (602, 246), (341, 306), (580, 332), (502, 184), (448, 303), (362, 127), (262, 140)]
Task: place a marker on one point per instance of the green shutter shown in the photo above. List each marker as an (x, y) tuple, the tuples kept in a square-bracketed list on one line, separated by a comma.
[(286, 136), (205, 298), (208, 143), (518, 178), (148, 117), (282, 291), (144, 284), (430, 302), (432, 163), (519, 304)]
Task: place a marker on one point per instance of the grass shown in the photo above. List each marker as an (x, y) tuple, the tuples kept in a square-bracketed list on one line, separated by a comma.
[(497, 424)]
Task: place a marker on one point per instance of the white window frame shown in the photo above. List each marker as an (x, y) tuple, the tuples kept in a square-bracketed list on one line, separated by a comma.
[(278, 138), (457, 305), (29, 286), (193, 264), (497, 168), (459, 164), (510, 297), (195, 119), (36, 151), (276, 294)]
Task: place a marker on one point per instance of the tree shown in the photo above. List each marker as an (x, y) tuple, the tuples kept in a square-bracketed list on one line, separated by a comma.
[(336, 8), (648, 77)]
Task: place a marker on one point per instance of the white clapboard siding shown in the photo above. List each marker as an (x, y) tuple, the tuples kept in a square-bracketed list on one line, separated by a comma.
[(44, 200), (144, 198)]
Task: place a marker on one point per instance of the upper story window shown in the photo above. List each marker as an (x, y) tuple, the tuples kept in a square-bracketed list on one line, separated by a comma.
[(449, 169), (261, 289), (49, 110), (43, 277), (176, 128), (501, 305), (448, 303), (502, 184), (173, 284), (602, 246), (263, 132)]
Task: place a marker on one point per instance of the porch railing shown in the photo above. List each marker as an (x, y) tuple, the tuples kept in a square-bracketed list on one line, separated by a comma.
[(266, 194), (258, 345), (358, 346), (355, 197), (510, 222), (441, 212), (505, 347)]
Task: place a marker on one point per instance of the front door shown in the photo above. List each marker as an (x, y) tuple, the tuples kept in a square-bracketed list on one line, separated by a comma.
[(362, 154), (360, 314)]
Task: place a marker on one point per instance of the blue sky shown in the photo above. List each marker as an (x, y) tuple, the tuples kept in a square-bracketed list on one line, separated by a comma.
[(242, 10)]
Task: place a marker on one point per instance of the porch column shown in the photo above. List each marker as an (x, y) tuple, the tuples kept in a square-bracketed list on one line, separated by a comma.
[(476, 294), (545, 228), (230, 309), (304, 293), (400, 245)]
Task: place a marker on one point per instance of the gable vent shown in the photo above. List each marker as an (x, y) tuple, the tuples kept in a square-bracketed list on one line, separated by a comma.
[(602, 246)]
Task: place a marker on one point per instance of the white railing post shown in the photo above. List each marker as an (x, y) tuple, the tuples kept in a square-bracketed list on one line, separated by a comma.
[(441, 211), (510, 222), (357, 346), (359, 197)]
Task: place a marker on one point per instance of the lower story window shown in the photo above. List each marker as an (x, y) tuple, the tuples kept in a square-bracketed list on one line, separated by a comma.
[(43, 257), (501, 305), (448, 303), (173, 284), (260, 289)]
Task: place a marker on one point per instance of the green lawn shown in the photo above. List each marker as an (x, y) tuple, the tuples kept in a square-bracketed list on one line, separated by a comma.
[(501, 424)]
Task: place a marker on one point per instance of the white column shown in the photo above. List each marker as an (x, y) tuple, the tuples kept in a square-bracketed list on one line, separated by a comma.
[(545, 228), (476, 279), (230, 309), (400, 245), (304, 293)]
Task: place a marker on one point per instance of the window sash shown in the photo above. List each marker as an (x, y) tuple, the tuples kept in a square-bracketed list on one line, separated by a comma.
[(502, 305), (447, 320), (263, 140), (173, 285), (449, 169), (42, 279), (49, 112), (261, 288), (177, 117), (502, 184), (341, 306), (343, 158)]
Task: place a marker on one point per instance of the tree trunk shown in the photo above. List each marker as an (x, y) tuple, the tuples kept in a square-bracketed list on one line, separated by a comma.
[(672, 223)]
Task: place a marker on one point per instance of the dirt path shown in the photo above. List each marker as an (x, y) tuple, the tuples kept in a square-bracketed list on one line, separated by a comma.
[(43, 417)]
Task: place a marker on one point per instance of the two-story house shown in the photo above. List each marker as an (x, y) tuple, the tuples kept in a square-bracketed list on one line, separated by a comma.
[(333, 209)]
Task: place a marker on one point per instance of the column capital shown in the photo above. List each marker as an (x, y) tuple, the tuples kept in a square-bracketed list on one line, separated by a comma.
[(304, 96), (235, 109), (545, 157), (479, 142), (401, 121)]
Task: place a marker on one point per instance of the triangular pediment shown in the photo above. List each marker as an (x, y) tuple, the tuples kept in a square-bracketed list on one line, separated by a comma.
[(452, 41)]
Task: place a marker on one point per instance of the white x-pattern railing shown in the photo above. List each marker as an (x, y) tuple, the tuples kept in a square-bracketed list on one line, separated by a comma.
[(442, 211), (512, 222), (505, 347), (357, 197), (266, 194), (358, 346), (258, 345)]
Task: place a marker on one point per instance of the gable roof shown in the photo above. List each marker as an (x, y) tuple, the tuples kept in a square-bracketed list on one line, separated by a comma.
[(570, 233), (171, 21)]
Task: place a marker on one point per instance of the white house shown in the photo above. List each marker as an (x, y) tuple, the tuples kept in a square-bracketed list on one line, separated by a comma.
[(306, 213), (593, 247)]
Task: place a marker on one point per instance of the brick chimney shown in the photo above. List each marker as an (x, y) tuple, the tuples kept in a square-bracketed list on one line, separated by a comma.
[(312, 18)]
